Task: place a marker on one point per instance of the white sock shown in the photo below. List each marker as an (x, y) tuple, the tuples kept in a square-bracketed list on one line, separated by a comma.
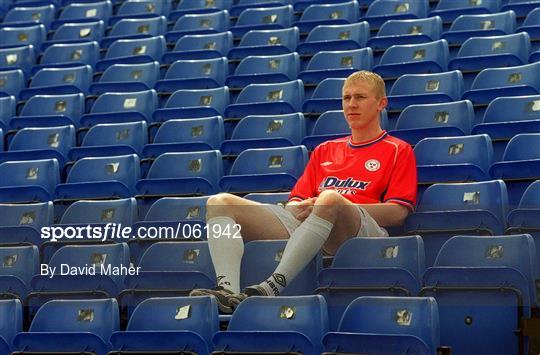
[(226, 252), (303, 245)]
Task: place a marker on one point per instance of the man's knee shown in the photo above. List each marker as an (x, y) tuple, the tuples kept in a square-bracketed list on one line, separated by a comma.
[(221, 199), (330, 198), (222, 204)]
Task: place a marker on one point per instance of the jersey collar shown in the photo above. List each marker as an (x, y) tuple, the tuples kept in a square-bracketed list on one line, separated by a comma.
[(366, 143)]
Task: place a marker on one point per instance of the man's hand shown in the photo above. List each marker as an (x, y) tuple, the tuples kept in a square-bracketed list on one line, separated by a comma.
[(301, 210)]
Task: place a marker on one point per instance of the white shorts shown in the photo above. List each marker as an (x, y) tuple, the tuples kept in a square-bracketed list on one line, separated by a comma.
[(368, 226)]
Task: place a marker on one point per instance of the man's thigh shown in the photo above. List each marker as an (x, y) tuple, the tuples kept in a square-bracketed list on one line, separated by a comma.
[(257, 221), (346, 226)]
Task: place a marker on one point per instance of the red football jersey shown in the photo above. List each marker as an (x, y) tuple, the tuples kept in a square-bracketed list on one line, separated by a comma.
[(380, 170)]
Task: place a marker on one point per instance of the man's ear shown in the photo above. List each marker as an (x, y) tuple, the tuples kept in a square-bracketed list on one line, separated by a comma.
[(383, 102)]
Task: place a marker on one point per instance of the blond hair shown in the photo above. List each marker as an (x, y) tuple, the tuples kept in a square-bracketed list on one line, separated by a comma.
[(373, 79)]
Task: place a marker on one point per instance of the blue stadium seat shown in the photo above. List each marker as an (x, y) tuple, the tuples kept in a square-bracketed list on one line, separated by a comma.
[(328, 14), (241, 5), (467, 26), (132, 51), (411, 89), (525, 218), (135, 28), (193, 24), (263, 18), (449, 10), (299, 322), (261, 131), (206, 46), (11, 323), (108, 139), (118, 107), (122, 212), (169, 212), (7, 110), (71, 325), (41, 143), (336, 64), (127, 78), (431, 57), (380, 11), (392, 325), (143, 8), (103, 278), (479, 53), (20, 36), (20, 57), (171, 268), (371, 266), (263, 99), (531, 25), (69, 55), (82, 12), (475, 208), (200, 7), (33, 215), (59, 81), (187, 174), (100, 177), (450, 119), (186, 135), (273, 198), (327, 96), (194, 103), (519, 165), (26, 15), (29, 181), (50, 110), (265, 70), (453, 159), (484, 288), (335, 38), (260, 259), (520, 7), (498, 82), (19, 265), (11, 82), (266, 42), (168, 324), (194, 74), (266, 170), (401, 32), (330, 125), (77, 32), (507, 116)]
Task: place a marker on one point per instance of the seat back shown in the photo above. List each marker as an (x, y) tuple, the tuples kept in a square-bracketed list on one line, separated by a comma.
[(291, 92), (72, 53), (304, 314), (217, 98), (350, 59), (147, 7), (90, 31), (78, 76), (287, 37), (147, 73), (153, 47), (214, 68), (60, 139), (11, 82), (291, 160), (35, 215), (209, 130), (290, 126), (178, 256), (99, 317), (331, 122), (220, 42), (517, 76), (516, 45), (285, 64), (177, 209), (520, 147), (152, 26), (195, 314), (95, 10), (346, 11), (21, 57), (122, 212), (416, 316), (436, 52), (430, 27), (447, 83), (31, 14), (132, 134), (517, 108), (357, 32), (207, 165), (18, 36), (70, 105), (122, 168), (212, 22), (11, 320), (281, 16), (144, 102), (22, 262), (44, 173)]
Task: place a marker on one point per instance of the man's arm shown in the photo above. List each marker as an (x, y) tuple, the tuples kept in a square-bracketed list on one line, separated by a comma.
[(387, 214)]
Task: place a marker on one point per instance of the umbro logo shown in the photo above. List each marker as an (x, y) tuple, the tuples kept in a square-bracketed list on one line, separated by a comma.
[(326, 163)]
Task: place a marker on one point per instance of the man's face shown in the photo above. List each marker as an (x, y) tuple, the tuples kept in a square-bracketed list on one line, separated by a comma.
[(361, 105)]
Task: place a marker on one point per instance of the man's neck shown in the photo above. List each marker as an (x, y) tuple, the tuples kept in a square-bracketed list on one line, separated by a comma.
[(366, 135)]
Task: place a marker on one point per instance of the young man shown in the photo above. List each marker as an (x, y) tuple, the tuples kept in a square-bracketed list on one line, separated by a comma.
[(353, 186)]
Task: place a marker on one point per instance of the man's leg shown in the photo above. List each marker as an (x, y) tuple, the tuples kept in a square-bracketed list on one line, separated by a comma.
[(334, 220), (230, 221)]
